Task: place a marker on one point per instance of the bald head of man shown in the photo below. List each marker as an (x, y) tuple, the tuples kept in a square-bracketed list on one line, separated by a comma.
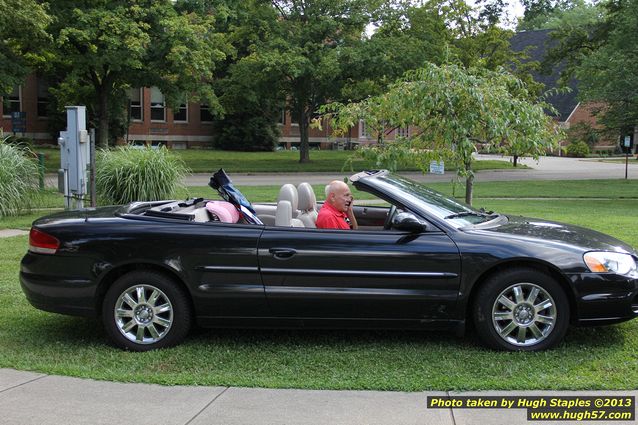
[(339, 196)]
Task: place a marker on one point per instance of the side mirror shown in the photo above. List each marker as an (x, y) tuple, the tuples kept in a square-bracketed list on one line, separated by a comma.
[(408, 222)]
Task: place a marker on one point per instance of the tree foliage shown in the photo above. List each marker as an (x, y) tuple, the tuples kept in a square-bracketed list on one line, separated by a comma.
[(308, 48), (608, 73), (104, 47), (452, 111), (22, 36), (599, 49)]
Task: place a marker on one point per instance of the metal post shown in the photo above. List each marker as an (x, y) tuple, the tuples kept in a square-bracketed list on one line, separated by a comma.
[(41, 169), (93, 195)]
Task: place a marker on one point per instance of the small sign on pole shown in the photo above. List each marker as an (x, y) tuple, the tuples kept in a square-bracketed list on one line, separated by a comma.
[(19, 122), (437, 167), (627, 144)]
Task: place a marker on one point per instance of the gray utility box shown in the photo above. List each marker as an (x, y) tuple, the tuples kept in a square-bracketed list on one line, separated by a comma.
[(74, 156)]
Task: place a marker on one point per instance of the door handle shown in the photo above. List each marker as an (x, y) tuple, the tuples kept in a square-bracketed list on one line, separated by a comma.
[(282, 253)]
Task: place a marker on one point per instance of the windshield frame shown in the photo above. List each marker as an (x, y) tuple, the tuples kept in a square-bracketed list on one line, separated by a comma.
[(432, 205)]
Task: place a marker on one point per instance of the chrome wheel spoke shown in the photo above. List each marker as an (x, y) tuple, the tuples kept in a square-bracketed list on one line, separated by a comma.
[(546, 320), (139, 337), (543, 305), (508, 329), (535, 331), (141, 295), (522, 332), (161, 321), (124, 313), (518, 294), (128, 326), (154, 297), (153, 331), (506, 302), (504, 316), (162, 308), (129, 300), (533, 294)]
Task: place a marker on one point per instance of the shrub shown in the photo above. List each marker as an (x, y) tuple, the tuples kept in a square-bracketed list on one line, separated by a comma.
[(245, 132), (18, 178), (578, 149), (128, 174)]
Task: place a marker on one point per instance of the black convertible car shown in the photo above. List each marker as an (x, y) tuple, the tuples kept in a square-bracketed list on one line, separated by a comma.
[(152, 269)]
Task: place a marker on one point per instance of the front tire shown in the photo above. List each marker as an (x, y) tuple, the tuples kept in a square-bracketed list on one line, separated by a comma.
[(521, 310), (146, 310)]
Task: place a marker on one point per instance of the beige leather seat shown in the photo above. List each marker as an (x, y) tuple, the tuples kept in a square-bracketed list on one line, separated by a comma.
[(287, 192), (307, 205), (283, 217)]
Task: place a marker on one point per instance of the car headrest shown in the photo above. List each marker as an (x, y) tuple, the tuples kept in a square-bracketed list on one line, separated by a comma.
[(225, 211), (307, 198), (288, 192)]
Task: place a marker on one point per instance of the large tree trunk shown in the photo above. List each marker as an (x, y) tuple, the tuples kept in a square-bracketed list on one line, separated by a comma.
[(515, 160), (103, 120), (304, 147)]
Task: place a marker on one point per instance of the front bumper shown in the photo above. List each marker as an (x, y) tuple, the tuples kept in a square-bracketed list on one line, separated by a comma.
[(604, 298)]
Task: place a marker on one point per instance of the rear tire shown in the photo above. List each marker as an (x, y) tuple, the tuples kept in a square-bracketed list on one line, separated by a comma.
[(521, 309), (146, 310)]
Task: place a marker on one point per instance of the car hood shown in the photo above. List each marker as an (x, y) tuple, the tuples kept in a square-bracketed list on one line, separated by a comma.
[(557, 233)]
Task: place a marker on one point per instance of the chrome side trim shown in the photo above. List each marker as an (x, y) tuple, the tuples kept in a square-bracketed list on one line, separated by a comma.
[(359, 273), (238, 269), (324, 292), (325, 253)]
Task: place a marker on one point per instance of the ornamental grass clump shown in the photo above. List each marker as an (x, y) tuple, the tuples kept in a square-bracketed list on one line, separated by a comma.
[(128, 174), (18, 179)]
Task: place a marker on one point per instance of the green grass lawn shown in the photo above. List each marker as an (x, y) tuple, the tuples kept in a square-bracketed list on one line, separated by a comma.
[(589, 358), (206, 161)]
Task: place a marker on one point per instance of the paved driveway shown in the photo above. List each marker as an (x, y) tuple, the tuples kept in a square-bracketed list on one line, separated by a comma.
[(546, 168)]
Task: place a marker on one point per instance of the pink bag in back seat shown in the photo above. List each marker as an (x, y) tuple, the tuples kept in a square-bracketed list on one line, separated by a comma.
[(226, 211)]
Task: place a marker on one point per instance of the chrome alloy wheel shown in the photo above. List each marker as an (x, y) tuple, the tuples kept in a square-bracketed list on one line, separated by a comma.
[(524, 314), (143, 314)]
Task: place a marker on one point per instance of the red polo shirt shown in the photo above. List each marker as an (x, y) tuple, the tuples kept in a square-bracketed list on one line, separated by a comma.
[(331, 218)]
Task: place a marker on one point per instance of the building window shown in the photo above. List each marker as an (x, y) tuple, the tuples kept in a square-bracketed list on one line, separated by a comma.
[(403, 132), (294, 118), (282, 117), (11, 102), (43, 99), (158, 105), (135, 104), (364, 131), (205, 114), (181, 114)]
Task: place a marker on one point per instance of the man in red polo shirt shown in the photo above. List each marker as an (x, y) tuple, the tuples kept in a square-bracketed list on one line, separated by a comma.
[(336, 212)]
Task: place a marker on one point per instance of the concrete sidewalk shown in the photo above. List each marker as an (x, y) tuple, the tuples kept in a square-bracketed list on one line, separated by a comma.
[(28, 398)]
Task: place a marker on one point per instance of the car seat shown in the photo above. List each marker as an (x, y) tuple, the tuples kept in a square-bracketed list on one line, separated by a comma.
[(283, 216), (307, 205)]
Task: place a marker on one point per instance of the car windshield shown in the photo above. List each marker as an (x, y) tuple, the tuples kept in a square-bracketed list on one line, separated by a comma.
[(436, 203)]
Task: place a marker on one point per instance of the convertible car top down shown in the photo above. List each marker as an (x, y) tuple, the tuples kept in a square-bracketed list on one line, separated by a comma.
[(152, 269)]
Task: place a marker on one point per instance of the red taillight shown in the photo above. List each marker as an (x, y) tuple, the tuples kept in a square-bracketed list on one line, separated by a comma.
[(42, 243)]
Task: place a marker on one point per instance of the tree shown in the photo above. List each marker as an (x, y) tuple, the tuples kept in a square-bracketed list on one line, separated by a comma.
[(101, 48), (308, 48), (22, 35), (252, 100), (607, 74), (455, 110)]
